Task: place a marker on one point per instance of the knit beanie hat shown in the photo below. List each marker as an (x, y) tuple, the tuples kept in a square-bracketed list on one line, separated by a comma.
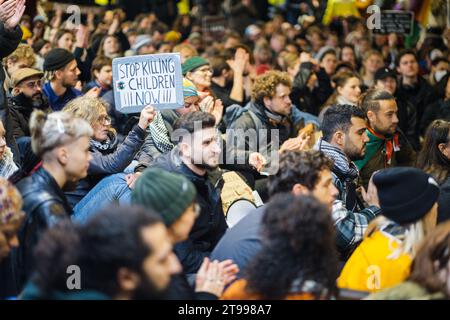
[(193, 63), (141, 40), (57, 59), (167, 193), (405, 194), (189, 89), (10, 202)]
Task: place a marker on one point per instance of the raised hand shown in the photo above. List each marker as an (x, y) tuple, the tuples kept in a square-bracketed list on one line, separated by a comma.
[(14, 19), (6, 9), (257, 161), (146, 117)]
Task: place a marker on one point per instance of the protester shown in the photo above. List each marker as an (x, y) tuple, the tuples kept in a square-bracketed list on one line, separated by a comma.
[(11, 217), (10, 36), (344, 141), (107, 155), (196, 153), (434, 159), (101, 75), (300, 173), (269, 111), (347, 91), (408, 199), (412, 86), (26, 96), (429, 278), (372, 61), (173, 197), (439, 109), (102, 249), (387, 146), (386, 80), (62, 142), (7, 164), (297, 260), (61, 76)]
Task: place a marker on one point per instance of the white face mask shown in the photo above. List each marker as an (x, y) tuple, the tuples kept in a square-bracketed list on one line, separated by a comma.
[(438, 75)]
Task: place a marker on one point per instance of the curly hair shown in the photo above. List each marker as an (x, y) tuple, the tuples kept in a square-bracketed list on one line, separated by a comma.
[(25, 52), (87, 108), (298, 245), (266, 84), (298, 167)]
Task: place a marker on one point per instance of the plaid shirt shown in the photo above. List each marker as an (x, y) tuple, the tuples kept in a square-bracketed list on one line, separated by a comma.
[(351, 226)]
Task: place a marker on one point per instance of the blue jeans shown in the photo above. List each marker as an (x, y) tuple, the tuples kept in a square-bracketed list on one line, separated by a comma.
[(111, 189)]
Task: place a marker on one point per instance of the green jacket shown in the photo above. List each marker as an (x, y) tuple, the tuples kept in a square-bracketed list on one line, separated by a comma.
[(407, 290), (405, 157)]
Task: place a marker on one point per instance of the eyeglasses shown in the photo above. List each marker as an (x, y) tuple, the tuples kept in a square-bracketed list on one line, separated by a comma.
[(204, 70), (104, 120), (33, 84)]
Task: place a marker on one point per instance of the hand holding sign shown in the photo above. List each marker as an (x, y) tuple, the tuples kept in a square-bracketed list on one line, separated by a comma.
[(147, 116), (154, 79)]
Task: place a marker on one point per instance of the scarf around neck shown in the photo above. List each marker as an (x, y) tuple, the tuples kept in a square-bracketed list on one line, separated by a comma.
[(375, 143), (342, 166), (160, 134)]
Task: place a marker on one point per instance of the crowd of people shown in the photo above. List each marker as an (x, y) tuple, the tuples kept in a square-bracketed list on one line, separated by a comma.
[(329, 142)]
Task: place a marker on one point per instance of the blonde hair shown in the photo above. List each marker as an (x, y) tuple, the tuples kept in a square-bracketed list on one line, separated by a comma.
[(410, 240), (23, 51), (49, 75), (290, 60), (56, 129), (87, 108), (188, 46)]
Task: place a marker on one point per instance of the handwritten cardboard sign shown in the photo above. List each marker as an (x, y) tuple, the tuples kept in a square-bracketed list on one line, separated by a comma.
[(153, 79), (393, 21)]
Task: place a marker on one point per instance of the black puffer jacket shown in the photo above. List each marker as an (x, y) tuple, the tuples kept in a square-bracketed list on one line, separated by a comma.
[(210, 225), (44, 204), (113, 159)]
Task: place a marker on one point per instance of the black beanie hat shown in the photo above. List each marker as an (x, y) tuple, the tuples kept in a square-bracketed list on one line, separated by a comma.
[(57, 59), (405, 194)]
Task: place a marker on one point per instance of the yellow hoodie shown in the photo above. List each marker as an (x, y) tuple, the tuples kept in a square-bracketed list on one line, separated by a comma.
[(370, 268)]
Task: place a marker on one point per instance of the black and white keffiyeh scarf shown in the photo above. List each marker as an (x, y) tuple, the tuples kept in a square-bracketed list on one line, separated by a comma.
[(160, 134)]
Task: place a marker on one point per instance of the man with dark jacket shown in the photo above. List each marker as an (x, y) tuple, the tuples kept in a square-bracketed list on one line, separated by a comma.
[(344, 140), (269, 112), (61, 73), (412, 86), (195, 155), (299, 173), (386, 79), (387, 146), (26, 96)]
